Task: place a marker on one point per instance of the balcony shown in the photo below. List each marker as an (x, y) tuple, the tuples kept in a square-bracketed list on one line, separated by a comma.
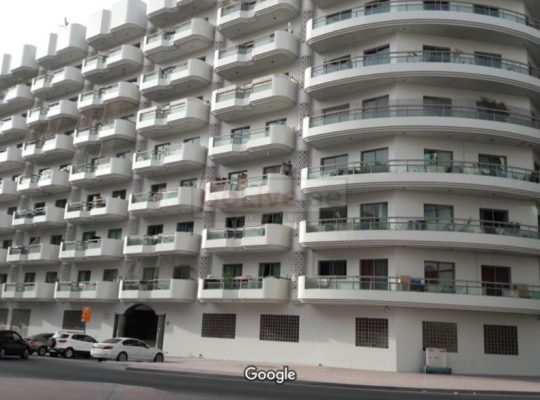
[(118, 131), (60, 83), (269, 51), (3, 257), (465, 71), (35, 291), (172, 202), (5, 225), (273, 140), (105, 170), (109, 209), (164, 13), (42, 218), (423, 293), (36, 118), (244, 289), (49, 181), (95, 250), (455, 17), (23, 66), (48, 149), (63, 113), (270, 189), (8, 190), (64, 48), (242, 17), (122, 96), (178, 243), (17, 98), (179, 116), (35, 254), (455, 176), (13, 128), (262, 96), (457, 234), (10, 158), (269, 238), (179, 158), (175, 81), (162, 290), (86, 291), (113, 65), (109, 28), (498, 126), (179, 41)]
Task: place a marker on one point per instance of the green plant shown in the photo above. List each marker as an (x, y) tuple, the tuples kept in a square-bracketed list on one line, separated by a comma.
[(493, 104)]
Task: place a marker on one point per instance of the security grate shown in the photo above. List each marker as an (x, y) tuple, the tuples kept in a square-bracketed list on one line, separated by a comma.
[(219, 326), (501, 339), (280, 328), (440, 335), (372, 332)]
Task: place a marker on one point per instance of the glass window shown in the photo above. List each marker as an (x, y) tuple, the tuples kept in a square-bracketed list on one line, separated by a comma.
[(182, 272), (376, 159), (29, 277), (56, 239), (486, 10), (185, 226), (150, 274), (436, 5), (493, 221), (232, 270), (333, 268), (84, 276), (3, 278), (235, 222), (272, 218), (436, 54), (51, 277), (110, 275), (331, 214), (114, 233), (436, 272), (438, 157), (333, 166), (495, 280), (492, 164), (188, 182), (374, 274), (437, 106), (152, 230), (377, 6), (488, 59), (270, 269), (61, 203), (436, 214), (377, 107), (119, 194), (378, 55)]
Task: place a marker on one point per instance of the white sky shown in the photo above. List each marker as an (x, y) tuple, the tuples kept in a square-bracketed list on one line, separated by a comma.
[(30, 21)]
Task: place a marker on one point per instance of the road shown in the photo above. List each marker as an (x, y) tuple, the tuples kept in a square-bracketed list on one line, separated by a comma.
[(51, 378)]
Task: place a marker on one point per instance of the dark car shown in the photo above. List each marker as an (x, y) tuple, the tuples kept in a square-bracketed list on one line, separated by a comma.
[(12, 344), (38, 343)]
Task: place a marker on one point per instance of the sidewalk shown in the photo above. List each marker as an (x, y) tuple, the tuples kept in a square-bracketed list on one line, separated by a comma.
[(343, 376)]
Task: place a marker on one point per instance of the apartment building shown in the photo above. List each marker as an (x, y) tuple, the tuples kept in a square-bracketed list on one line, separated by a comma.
[(343, 183)]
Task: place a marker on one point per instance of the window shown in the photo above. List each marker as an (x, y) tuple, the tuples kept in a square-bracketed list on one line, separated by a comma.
[(185, 227), (84, 276), (437, 106), (374, 215), (270, 269), (160, 150), (437, 216), (235, 222), (115, 234), (182, 272), (150, 274), (238, 179), (119, 194), (374, 274), (436, 54), (436, 272), (336, 165), (152, 230), (29, 277), (6, 243), (188, 182), (61, 203), (232, 270), (338, 64), (72, 320), (110, 275), (485, 10), (438, 158), (492, 164), (87, 236), (378, 55), (281, 121), (158, 188), (333, 268), (280, 328), (493, 221), (193, 140), (488, 59), (440, 335), (339, 16), (51, 277), (331, 214), (377, 6), (377, 159), (371, 332), (3, 278), (501, 340), (495, 280), (377, 107), (11, 210), (436, 5), (272, 218), (56, 239), (222, 326)]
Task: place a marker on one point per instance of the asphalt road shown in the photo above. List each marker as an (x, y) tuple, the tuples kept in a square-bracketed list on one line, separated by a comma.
[(67, 372)]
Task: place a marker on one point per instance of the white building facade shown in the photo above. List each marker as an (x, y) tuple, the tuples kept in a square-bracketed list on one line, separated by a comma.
[(343, 183)]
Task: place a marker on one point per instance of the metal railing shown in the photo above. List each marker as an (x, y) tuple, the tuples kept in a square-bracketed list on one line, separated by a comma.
[(239, 184), (411, 284), (248, 47), (19, 250), (154, 196), (29, 179), (423, 224), (36, 212), (158, 155), (417, 5), (420, 56), (236, 233), (81, 245), (235, 283), (241, 138), (169, 34), (86, 206), (151, 240), (150, 285), (77, 286), (238, 6), (244, 92)]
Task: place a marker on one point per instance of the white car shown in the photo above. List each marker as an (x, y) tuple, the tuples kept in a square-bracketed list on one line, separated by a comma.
[(124, 349), (69, 344)]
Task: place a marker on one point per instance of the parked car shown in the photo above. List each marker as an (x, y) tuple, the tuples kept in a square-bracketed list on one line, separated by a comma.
[(12, 344), (39, 343), (69, 344), (124, 349)]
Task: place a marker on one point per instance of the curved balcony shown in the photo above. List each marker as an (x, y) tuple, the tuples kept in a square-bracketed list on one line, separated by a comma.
[(164, 13), (92, 250), (184, 157), (17, 98), (35, 254), (8, 190), (176, 201), (159, 290), (455, 176), (242, 17), (244, 289), (179, 41), (458, 122), (268, 190), (403, 291), (45, 217), (455, 18), (270, 141), (5, 225), (99, 291), (13, 128), (269, 238), (21, 68), (36, 118), (106, 170), (117, 131), (10, 158), (107, 209), (48, 149), (179, 116), (63, 113), (49, 181), (122, 96), (262, 96), (122, 61), (178, 243), (269, 51), (64, 48), (34, 291), (464, 71), (58, 84), (462, 234)]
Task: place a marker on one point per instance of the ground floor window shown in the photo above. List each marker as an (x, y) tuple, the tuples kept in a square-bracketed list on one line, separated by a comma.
[(371, 332), (440, 335), (280, 328), (219, 326), (501, 339), (72, 320)]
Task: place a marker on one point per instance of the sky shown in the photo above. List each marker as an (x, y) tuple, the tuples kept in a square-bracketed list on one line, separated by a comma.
[(30, 21)]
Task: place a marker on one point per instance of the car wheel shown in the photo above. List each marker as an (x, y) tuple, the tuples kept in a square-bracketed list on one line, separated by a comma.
[(158, 357), (122, 357), (25, 354), (68, 353), (2, 353), (42, 351)]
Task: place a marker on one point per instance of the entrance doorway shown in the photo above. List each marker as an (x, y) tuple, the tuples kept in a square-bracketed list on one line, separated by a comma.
[(141, 322)]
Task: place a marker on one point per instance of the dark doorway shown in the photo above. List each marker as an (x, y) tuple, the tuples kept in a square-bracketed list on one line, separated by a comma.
[(140, 322)]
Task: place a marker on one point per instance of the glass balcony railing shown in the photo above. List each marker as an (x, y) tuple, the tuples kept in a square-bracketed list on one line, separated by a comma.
[(241, 138), (244, 92), (81, 245), (20, 250), (27, 180), (151, 240), (154, 196), (238, 6), (151, 285), (76, 286), (375, 8), (86, 206), (246, 48), (236, 283), (422, 224), (236, 233)]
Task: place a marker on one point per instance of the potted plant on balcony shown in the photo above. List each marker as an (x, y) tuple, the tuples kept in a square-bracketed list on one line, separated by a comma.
[(492, 109)]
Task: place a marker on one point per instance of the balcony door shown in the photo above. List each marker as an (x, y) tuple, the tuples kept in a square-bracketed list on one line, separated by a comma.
[(374, 274), (436, 5), (154, 230), (492, 164), (87, 236), (436, 54), (333, 166), (377, 107), (438, 216), (232, 270), (333, 268), (84, 276), (495, 280), (439, 273), (29, 277), (332, 217), (374, 216), (376, 160), (492, 221), (437, 106)]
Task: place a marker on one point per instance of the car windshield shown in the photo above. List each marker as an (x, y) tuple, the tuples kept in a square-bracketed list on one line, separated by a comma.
[(112, 341)]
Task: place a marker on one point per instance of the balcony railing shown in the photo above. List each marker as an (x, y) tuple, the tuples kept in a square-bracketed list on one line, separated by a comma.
[(238, 6), (76, 286), (30, 213), (418, 5), (151, 240), (426, 110), (234, 283), (422, 166), (409, 284), (86, 206), (170, 33), (165, 73), (239, 184), (154, 196), (158, 155), (242, 49), (419, 56), (423, 224), (23, 180), (241, 138), (81, 245), (156, 284), (236, 233), (20, 287), (244, 92)]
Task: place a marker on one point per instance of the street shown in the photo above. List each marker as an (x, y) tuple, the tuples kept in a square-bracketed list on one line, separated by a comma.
[(49, 378)]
